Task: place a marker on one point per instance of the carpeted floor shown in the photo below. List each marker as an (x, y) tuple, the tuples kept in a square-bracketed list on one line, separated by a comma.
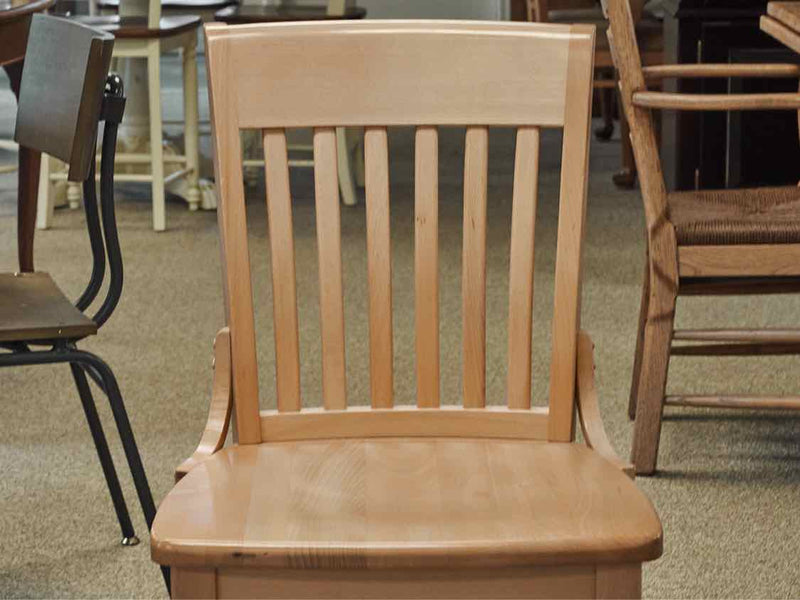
[(729, 483)]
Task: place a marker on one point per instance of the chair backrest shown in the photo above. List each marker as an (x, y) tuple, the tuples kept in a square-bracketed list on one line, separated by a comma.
[(625, 51), (144, 9), (61, 92), (401, 73)]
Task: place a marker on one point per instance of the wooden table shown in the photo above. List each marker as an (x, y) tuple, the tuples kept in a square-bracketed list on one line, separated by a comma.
[(15, 20), (782, 22)]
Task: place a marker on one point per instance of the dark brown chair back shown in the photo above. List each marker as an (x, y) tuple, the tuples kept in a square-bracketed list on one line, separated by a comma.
[(66, 65)]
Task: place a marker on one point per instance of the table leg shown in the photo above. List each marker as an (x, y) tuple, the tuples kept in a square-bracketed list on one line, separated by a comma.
[(27, 186)]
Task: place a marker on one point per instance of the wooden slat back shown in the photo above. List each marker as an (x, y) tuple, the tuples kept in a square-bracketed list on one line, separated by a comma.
[(520, 279), (407, 73), (473, 266), (379, 266), (426, 265), (329, 243), (284, 295)]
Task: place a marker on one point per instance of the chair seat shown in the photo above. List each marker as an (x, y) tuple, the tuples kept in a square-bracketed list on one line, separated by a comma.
[(32, 308), (136, 27), (255, 13), (768, 215), (404, 503)]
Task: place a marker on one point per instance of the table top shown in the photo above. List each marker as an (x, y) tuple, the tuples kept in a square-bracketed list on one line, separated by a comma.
[(14, 9)]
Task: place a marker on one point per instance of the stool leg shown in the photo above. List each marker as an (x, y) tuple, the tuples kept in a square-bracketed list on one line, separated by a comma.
[(344, 161), (156, 147), (90, 410), (46, 201), (191, 121)]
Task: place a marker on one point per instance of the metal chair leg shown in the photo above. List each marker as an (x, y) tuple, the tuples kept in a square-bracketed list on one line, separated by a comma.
[(90, 410)]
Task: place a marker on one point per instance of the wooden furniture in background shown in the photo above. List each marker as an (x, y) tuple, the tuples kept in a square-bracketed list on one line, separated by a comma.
[(350, 160), (782, 22), (15, 21), (438, 499), (651, 43), (741, 241), (65, 78), (142, 33)]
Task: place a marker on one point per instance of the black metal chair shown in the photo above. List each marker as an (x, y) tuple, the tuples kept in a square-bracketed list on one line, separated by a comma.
[(65, 92)]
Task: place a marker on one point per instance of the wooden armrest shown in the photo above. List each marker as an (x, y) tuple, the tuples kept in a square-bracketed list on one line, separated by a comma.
[(725, 102), (689, 71), (588, 409), (219, 413)]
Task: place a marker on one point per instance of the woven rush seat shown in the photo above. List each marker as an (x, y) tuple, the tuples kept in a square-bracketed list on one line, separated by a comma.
[(733, 217)]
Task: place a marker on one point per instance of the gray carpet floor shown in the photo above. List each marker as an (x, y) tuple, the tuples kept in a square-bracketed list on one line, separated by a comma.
[(728, 486)]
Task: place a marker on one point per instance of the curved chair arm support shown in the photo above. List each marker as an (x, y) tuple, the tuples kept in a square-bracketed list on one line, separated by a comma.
[(588, 409), (723, 102), (95, 239), (725, 70), (219, 413)]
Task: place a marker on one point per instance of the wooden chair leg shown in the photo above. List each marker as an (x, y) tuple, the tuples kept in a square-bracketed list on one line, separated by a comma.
[(191, 123), (156, 132), (46, 201), (347, 184), (655, 362), (637, 357)]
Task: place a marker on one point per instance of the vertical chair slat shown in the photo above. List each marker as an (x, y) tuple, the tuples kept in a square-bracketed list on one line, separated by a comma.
[(284, 296), (426, 265), (571, 221), (520, 284), (379, 265), (329, 243), (473, 266)]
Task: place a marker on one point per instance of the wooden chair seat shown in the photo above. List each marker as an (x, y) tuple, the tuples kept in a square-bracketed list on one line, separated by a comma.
[(136, 27), (33, 308), (769, 215), (255, 13), (404, 503)]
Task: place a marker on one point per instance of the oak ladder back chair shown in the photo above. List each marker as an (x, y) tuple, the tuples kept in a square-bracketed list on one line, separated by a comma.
[(437, 499), (712, 242), (141, 32), (65, 92)]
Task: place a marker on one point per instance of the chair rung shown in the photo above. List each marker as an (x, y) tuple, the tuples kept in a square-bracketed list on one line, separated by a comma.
[(758, 402), (736, 349), (762, 336)]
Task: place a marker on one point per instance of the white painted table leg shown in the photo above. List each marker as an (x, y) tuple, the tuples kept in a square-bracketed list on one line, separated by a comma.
[(191, 122), (46, 197), (156, 148)]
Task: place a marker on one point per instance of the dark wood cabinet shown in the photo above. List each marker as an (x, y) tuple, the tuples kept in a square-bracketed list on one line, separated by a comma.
[(719, 150)]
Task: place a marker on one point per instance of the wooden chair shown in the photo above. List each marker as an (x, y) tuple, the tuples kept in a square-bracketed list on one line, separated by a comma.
[(650, 37), (141, 32), (738, 241), (434, 500), (65, 79)]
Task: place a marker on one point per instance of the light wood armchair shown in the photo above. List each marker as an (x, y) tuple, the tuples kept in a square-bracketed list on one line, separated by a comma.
[(440, 499), (738, 241)]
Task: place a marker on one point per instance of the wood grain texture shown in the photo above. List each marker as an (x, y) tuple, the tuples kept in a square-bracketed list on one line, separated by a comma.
[(571, 221), (473, 267), (426, 265), (619, 582), (329, 244), (520, 284), (739, 261), (379, 266), (219, 413), (724, 102), (33, 308), (404, 421), (781, 32), (193, 584), (233, 242), (284, 282), (707, 70), (404, 503), (526, 91), (395, 584)]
